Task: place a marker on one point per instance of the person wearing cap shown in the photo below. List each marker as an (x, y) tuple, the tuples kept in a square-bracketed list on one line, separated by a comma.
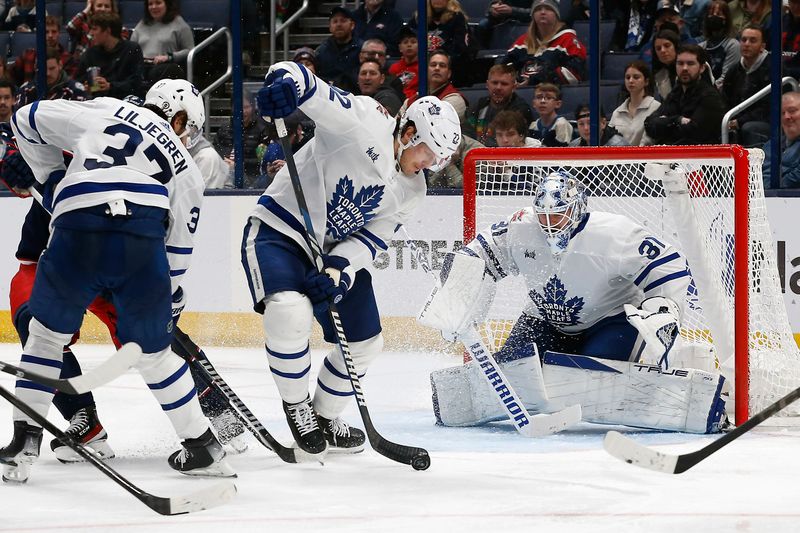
[(448, 31), (549, 51), (609, 136), (406, 69), (375, 20), (305, 56), (337, 56), (668, 17), (501, 84)]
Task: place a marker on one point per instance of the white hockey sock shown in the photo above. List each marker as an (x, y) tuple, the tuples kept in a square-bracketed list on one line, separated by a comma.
[(287, 326), (290, 372), (334, 390), (43, 353), (169, 379)]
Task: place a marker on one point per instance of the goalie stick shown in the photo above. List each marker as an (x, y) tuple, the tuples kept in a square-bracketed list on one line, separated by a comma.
[(527, 425), (418, 458), (108, 370), (198, 359), (197, 501), (630, 451)]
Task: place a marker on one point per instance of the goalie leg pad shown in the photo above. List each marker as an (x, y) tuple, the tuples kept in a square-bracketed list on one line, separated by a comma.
[(636, 394), (287, 318), (462, 397)]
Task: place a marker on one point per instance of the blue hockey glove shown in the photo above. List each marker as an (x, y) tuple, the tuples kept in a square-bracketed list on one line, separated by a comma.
[(16, 173), (278, 97), (178, 303), (330, 285)]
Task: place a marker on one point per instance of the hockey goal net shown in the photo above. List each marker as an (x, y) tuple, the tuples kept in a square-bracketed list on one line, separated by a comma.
[(734, 312)]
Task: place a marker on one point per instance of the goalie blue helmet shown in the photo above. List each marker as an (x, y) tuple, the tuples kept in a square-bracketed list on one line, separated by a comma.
[(560, 205)]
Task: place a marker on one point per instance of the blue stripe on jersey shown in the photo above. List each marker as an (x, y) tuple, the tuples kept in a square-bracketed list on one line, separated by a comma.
[(175, 273), (291, 375), (374, 238), (286, 356), (577, 361), (52, 363), (20, 384), (170, 380), (468, 251), (366, 243), (89, 188), (14, 119), (665, 279), (654, 264), (307, 80), (332, 391), (178, 403), (32, 120), (276, 209), (179, 250), (490, 254)]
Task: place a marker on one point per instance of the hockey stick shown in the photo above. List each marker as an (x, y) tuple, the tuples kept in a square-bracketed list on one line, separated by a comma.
[(196, 501), (418, 458), (198, 359), (632, 452), (528, 426), (108, 370)]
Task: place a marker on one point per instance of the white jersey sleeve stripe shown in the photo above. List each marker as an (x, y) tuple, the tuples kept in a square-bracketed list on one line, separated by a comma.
[(491, 255), (366, 243), (310, 85), (665, 279), (32, 121), (654, 264), (21, 133)]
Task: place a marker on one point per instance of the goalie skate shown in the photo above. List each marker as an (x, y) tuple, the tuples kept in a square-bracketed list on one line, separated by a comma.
[(21, 452), (202, 456), (84, 428)]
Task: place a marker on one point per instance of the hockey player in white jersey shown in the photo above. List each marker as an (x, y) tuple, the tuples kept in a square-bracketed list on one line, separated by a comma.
[(130, 197), (362, 178), (598, 285)]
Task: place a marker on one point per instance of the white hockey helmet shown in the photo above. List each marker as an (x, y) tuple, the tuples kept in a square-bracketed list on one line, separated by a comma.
[(560, 206), (172, 96), (437, 126)]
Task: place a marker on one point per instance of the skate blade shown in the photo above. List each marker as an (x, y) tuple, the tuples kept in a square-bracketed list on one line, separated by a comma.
[(218, 469), (19, 471), (101, 450), (304, 456), (336, 450)]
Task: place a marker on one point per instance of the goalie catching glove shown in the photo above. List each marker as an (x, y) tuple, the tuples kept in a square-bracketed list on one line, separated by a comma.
[(330, 285), (657, 321)]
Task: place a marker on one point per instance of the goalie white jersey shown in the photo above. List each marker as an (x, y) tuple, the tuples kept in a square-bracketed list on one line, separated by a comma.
[(355, 203), (609, 261)]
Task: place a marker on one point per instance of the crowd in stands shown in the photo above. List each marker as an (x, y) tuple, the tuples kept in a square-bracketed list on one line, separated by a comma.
[(506, 72)]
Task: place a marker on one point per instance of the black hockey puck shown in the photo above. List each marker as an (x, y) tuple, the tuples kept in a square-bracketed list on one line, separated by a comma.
[(421, 461)]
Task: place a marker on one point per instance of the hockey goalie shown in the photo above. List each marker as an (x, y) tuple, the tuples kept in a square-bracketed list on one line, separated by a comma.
[(600, 327)]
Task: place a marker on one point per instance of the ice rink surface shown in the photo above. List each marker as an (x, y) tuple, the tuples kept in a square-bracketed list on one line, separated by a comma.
[(480, 479)]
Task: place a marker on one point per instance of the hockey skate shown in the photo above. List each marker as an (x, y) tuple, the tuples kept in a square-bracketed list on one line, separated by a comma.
[(305, 429), (230, 430), (21, 453), (202, 456), (84, 428), (341, 437)]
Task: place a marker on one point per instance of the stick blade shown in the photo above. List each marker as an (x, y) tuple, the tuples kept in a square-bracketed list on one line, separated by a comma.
[(214, 496), (630, 451), (547, 424), (108, 370)]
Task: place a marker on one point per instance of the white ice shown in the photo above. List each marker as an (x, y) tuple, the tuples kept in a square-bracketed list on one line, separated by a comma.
[(481, 479)]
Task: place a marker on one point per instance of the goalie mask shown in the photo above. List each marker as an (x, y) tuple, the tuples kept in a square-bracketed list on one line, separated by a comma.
[(560, 205), (437, 126), (172, 96)]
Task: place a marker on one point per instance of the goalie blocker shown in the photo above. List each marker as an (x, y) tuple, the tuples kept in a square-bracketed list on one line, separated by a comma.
[(610, 392)]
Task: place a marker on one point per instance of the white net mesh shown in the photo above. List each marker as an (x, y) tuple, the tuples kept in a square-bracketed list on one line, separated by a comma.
[(700, 224)]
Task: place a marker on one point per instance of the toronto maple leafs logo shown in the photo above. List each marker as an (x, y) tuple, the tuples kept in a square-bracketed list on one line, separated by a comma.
[(434, 109), (348, 210), (553, 304)]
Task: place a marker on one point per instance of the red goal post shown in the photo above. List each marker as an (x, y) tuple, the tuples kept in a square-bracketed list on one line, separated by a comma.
[(735, 306)]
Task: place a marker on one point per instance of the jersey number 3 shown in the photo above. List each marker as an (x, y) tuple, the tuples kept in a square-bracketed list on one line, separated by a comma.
[(119, 156)]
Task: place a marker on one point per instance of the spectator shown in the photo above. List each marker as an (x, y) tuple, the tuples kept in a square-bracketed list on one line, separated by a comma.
[(217, 173), (744, 12), (448, 31), (21, 16), (501, 84), (609, 136), (745, 79), (440, 86), (693, 14), (635, 24), (375, 20), (502, 12), (375, 49), (165, 39), (254, 133), (549, 51), (7, 97), (406, 69), (628, 119), (667, 18), (791, 40), (337, 56), (790, 147), (693, 111), (59, 85), (274, 159), (722, 48), (371, 82), (666, 45), (452, 175), (511, 130), (305, 56), (24, 67), (550, 128), (120, 62), (78, 27)]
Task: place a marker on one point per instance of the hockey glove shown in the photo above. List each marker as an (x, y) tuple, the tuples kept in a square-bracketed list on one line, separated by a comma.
[(278, 97), (657, 323), (16, 173), (330, 285), (178, 303)]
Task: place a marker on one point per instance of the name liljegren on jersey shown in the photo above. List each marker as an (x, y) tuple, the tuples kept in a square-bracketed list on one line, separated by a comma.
[(157, 132)]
